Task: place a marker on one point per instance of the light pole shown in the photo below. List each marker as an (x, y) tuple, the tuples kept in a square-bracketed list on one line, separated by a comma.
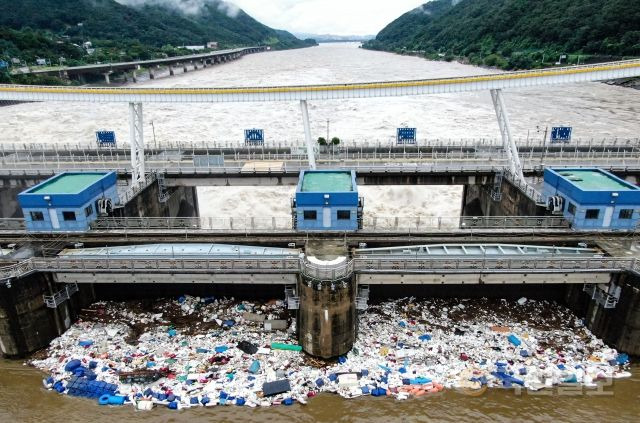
[(327, 130), (544, 143), (153, 128)]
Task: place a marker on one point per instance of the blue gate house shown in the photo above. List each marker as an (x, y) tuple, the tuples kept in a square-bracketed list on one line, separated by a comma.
[(593, 198), (327, 200), (69, 201)]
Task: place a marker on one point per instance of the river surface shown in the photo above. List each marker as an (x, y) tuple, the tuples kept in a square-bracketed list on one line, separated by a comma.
[(23, 399), (595, 110)]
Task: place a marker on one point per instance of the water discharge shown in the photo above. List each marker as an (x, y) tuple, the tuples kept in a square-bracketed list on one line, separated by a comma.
[(595, 110)]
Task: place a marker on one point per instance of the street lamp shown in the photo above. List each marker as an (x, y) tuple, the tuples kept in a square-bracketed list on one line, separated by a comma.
[(544, 142)]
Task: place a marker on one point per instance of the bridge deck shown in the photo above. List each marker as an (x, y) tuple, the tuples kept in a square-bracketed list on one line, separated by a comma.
[(529, 78)]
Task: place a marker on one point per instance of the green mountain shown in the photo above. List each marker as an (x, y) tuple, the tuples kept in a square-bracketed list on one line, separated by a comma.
[(127, 29), (516, 33)]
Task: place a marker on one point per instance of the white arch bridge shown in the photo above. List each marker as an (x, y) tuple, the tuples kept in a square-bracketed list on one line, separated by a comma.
[(495, 83)]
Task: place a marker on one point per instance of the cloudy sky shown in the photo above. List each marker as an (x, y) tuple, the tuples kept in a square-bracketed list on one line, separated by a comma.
[(341, 17)]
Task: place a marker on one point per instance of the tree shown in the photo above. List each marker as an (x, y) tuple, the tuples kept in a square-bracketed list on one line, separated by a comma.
[(322, 141), (335, 140)]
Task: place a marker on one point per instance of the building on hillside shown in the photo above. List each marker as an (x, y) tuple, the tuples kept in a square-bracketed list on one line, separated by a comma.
[(212, 45)]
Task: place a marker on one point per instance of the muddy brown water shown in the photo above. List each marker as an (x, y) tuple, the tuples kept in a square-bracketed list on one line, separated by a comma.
[(23, 399)]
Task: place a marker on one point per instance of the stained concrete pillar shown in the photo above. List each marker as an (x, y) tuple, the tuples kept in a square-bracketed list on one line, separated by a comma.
[(107, 80), (327, 319), (171, 73), (182, 202), (134, 77), (151, 74)]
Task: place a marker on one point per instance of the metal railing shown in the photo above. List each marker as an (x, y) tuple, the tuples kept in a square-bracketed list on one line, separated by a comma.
[(328, 272), (431, 265), (224, 224), (53, 301), (604, 298), (163, 265), (370, 223), (345, 144), (525, 187), (185, 161), (494, 265)]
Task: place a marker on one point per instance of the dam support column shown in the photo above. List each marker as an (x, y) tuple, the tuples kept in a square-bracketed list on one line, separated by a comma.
[(327, 319), (307, 134), (27, 323), (137, 144), (610, 311)]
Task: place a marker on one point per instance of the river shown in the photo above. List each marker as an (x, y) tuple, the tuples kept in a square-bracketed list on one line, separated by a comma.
[(23, 399), (595, 110)]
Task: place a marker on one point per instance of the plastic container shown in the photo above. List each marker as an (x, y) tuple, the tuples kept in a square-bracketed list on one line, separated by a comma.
[(286, 347)]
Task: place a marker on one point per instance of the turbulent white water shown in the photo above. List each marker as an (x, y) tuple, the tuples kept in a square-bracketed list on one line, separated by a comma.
[(595, 110)]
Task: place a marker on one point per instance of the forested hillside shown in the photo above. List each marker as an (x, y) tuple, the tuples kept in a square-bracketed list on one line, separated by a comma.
[(52, 29), (516, 34)]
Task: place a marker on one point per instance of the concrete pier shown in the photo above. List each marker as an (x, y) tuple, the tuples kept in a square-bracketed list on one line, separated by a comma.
[(26, 323), (506, 199), (618, 326), (182, 202), (327, 317)]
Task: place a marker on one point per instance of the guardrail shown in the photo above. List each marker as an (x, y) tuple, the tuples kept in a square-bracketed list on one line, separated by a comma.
[(494, 265), (369, 223), (326, 272), (526, 188), (431, 265), (345, 144), (65, 158), (163, 265)]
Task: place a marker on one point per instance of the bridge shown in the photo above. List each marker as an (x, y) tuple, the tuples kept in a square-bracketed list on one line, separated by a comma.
[(495, 83), (408, 251), (106, 69), (435, 264)]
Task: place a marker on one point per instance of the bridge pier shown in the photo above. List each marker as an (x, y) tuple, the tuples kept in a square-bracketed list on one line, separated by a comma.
[(171, 73), (327, 318), (151, 74), (134, 77), (107, 79)]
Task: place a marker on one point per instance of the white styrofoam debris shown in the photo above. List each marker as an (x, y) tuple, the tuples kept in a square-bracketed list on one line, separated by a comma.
[(405, 348)]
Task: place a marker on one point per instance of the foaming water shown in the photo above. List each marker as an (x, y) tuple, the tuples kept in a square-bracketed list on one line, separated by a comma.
[(595, 110)]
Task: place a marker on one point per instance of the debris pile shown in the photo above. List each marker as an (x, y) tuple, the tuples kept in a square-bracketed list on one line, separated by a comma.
[(206, 351)]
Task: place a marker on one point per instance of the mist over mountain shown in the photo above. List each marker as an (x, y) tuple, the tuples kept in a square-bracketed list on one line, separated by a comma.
[(127, 29)]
